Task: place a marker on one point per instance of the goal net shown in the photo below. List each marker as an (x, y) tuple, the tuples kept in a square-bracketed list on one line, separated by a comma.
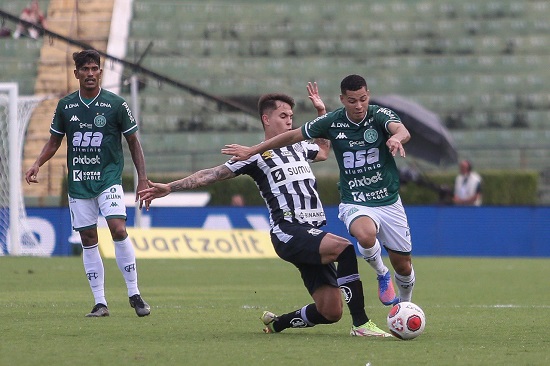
[(16, 234)]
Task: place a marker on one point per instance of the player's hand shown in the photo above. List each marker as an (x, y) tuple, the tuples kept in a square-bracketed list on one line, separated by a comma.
[(155, 190), (30, 175), (142, 184), (238, 152), (395, 145), (313, 94)]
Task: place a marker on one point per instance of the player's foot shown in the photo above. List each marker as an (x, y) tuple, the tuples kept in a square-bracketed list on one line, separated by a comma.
[(386, 293), (369, 329), (268, 318), (140, 306), (98, 310)]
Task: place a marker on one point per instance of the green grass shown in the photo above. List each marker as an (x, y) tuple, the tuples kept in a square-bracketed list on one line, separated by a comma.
[(205, 312)]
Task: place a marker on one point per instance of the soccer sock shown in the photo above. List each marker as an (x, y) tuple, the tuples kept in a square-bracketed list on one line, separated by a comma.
[(126, 261), (306, 317), (373, 256), (93, 265), (405, 285), (351, 285)]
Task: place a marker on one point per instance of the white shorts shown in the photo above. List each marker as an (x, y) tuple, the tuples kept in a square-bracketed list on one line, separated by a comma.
[(110, 203), (391, 223)]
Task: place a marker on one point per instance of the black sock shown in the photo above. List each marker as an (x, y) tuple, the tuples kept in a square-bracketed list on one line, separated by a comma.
[(351, 285), (306, 317)]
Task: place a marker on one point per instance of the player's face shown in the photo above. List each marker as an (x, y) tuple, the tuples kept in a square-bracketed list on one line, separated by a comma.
[(356, 103), (88, 76), (279, 120)]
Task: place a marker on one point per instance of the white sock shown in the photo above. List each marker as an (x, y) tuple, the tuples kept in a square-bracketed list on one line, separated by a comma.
[(93, 265), (373, 256), (126, 261), (405, 285)]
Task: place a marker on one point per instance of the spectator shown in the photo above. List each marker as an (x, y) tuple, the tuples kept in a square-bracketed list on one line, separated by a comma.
[(31, 14), (467, 186)]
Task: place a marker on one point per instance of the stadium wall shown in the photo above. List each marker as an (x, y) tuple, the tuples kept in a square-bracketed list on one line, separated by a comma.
[(436, 230)]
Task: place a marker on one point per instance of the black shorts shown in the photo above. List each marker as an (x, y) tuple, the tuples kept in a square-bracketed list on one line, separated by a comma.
[(299, 244)]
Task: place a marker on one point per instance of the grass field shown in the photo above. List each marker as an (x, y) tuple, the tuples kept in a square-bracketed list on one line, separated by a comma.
[(205, 312)]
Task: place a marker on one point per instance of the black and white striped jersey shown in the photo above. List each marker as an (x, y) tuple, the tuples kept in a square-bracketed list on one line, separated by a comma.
[(286, 183)]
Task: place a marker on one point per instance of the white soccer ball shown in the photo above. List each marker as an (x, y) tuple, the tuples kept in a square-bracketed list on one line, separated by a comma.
[(406, 320)]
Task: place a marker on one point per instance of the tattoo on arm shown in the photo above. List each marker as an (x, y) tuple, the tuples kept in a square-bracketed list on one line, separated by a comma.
[(203, 178)]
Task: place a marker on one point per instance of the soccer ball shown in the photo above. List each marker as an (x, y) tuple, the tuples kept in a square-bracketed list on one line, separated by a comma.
[(406, 320)]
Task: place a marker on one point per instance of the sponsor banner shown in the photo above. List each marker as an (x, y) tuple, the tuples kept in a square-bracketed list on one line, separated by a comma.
[(192, 243)]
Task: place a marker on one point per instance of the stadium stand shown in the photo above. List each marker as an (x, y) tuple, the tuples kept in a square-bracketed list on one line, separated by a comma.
[(482, 66)]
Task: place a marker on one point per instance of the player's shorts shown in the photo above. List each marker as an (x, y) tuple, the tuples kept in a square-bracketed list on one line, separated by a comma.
[(391, 223), (299, 244), (84, 211)]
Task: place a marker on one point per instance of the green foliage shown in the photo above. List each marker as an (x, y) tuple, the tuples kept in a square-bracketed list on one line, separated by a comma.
[(205, 312), (499, 188)]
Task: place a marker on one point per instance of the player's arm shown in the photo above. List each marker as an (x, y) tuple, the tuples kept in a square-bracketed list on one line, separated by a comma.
[(399, 136), (48, 151), (319, 105), (240, 152), (199, 179), (139, 162)]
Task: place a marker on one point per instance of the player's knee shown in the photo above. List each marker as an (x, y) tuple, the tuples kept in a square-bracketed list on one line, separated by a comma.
[(119, 233), (332, 313)]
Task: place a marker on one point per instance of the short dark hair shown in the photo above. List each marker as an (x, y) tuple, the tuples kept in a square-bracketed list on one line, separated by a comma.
[(353, 83), (87, 56), (268, 102)]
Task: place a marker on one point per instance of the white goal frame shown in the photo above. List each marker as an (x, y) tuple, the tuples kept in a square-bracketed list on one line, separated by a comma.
[(18, 228)]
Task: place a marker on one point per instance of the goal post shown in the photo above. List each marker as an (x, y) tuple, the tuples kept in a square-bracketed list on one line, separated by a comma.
[(16, 234)]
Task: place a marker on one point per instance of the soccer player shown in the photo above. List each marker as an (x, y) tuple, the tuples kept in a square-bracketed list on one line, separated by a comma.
[(365, 139), (94, 120), (296, 215)]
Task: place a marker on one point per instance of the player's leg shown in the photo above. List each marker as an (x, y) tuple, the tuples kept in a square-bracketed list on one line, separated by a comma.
[(84, 221), (404, 274), (299, 245), (396, 237), (111, 203), (334, 248), (326, 309), (362, 223)]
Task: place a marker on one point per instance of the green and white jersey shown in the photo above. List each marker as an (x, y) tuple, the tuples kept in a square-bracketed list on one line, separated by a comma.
[(94, 147), (368, 174)]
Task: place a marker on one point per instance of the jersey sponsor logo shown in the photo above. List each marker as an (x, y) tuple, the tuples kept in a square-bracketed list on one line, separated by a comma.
[(100, 120), (369, 196), (370, 135), (102, 104), (387, 112), (79, 175), (292, 172), (278, 175), (341, 136), (364, 181), (113, 197), (125, 104), (85, 125), (72, 105), (87, 139), (356, 143), (74, 119), (339, 125), (87, 160), (310, 216), (360, 158)]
